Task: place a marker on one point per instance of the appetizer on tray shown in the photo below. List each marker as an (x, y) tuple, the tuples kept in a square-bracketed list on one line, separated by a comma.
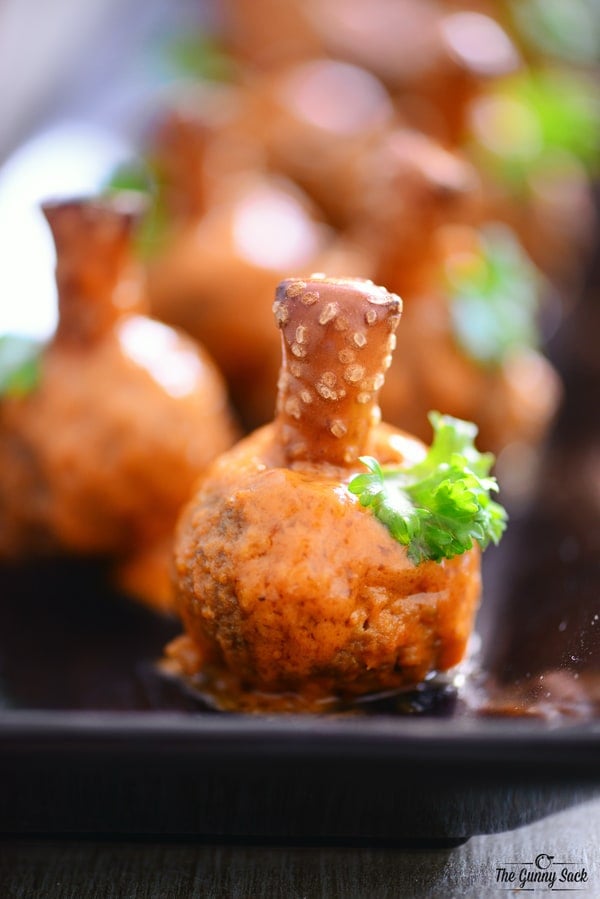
[(328, 555), (104, 433)]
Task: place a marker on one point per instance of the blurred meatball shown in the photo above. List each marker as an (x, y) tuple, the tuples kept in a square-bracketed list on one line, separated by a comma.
[(99, 457)]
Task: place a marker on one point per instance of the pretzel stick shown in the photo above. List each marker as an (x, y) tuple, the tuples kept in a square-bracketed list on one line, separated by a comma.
[(96, 284), (338, 336)]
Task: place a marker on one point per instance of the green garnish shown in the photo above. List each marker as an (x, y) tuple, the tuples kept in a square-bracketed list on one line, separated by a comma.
[(441, 505), (534, 122), (19, 365), (193, 56), (140, 177), (566, 30), (494, 296), (199, 56), (133, 175)]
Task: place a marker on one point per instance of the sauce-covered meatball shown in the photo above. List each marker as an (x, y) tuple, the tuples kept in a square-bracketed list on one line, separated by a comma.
[(99, 457), (285, 582)]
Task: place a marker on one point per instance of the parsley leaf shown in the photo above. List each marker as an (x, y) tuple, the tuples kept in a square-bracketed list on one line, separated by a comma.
[(19, 365), (494, 296), (442, 505)]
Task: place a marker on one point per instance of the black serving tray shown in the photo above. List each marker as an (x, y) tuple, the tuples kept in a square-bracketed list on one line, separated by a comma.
[(94, 739), (287, 779)]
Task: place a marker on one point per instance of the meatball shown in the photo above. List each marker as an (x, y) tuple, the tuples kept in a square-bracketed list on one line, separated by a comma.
[(99, 458), (285, 583)]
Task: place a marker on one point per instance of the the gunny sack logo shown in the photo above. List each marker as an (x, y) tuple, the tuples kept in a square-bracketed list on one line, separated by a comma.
[(547, 872)]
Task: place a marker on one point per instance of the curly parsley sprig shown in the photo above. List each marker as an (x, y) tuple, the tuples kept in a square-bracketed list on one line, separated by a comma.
[(440, 506)]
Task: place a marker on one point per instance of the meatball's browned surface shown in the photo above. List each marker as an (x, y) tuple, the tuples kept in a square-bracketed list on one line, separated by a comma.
[(99, 458), (285, 583)]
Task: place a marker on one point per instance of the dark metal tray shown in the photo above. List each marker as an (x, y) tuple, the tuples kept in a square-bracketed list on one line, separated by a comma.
[(292, 779)]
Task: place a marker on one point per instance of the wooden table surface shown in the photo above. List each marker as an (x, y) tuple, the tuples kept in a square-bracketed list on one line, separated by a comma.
[(154, 869)]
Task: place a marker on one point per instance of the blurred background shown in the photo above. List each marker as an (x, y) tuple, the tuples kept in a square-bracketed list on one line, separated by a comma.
[(445, 148), (79, 82)]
